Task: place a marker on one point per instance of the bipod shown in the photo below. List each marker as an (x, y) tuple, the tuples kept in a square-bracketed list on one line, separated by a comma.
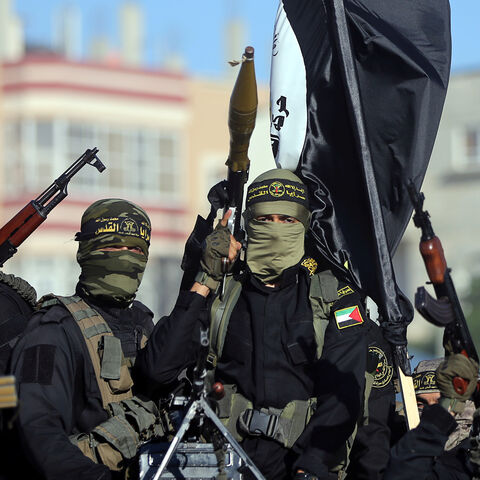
[(198, 408)]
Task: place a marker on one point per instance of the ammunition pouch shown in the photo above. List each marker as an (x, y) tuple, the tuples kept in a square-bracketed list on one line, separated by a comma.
[(282, 425), (109, 364), (230, 408), (116, 441)]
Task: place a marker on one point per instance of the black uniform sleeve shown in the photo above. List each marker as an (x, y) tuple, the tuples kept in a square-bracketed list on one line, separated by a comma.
[(44, 364), (15, 313), (415, 454), (172, 345), (371, 449), (340, 386)]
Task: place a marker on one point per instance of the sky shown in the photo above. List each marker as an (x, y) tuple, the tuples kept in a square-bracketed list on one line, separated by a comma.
[(196, 29)]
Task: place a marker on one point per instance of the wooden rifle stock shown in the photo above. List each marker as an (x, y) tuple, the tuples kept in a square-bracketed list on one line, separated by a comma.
[(17, 229), (30, 217), (434, 259)]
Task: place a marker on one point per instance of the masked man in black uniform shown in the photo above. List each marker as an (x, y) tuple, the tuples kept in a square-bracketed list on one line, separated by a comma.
[(78, 418), (287, 342)]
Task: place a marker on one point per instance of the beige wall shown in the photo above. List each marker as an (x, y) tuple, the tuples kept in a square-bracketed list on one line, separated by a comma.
[(209, 138), (195, 109)]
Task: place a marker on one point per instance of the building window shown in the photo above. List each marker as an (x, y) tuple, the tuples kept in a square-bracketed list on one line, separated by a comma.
[(472, 147), (140, 162), (115, 145), (57, 274), (168, 164), (14, 164), (466, 149), (44, 152), (79, 138)]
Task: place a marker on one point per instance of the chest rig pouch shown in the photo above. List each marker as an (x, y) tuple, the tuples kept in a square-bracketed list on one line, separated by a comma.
[(235, 411), (109, 364)]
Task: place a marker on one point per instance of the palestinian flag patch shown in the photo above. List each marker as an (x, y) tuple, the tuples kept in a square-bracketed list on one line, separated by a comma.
[(348, 317)]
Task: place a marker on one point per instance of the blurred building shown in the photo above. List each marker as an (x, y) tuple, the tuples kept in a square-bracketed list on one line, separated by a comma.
[(452, 191), (54, 109), (162, 135)]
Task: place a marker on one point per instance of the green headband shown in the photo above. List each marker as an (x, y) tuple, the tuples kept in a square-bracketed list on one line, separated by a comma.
[(277, 189), (278, 192)]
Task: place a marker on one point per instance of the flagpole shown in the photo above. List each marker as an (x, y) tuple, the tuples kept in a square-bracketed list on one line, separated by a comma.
[(389, 308)]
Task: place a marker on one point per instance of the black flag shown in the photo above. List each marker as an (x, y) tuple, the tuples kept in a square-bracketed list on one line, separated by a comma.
[(357, 91)]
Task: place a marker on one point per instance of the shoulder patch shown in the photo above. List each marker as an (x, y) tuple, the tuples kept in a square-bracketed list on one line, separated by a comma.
[(38, 364), (310, 265), (384, 371), (345, 291), (348, 317)]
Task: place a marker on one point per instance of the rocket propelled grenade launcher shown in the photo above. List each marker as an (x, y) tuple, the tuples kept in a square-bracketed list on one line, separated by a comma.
[(241, 122)]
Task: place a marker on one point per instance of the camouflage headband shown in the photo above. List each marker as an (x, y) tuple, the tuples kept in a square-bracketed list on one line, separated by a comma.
[(114, 221)]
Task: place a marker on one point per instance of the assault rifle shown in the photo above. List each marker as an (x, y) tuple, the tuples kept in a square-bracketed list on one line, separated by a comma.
[(444, 311), (27, 220)]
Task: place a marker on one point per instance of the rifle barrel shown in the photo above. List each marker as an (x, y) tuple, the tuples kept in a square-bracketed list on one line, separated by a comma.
[(25, 222)]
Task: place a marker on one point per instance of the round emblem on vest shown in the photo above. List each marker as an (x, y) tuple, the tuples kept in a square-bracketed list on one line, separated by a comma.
[(276, 189), (384, 372)]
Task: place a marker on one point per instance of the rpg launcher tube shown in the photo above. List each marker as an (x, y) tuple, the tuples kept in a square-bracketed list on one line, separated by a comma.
[(242, 114)]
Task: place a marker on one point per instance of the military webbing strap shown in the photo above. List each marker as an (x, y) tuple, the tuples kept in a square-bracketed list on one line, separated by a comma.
[(229, 409), (220, 316), (284, 425), (322, 295), (111, 370), (236, 410), (131, 422)]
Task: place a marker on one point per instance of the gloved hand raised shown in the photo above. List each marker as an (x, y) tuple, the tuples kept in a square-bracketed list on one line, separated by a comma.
[(218, 245)]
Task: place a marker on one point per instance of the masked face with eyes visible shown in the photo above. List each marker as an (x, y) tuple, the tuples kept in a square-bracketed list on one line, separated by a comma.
[(113, 251), (276, 218)]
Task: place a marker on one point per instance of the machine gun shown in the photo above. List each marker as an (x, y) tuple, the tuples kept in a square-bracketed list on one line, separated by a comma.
[(195, 456), (27, 220), (444, 311)]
